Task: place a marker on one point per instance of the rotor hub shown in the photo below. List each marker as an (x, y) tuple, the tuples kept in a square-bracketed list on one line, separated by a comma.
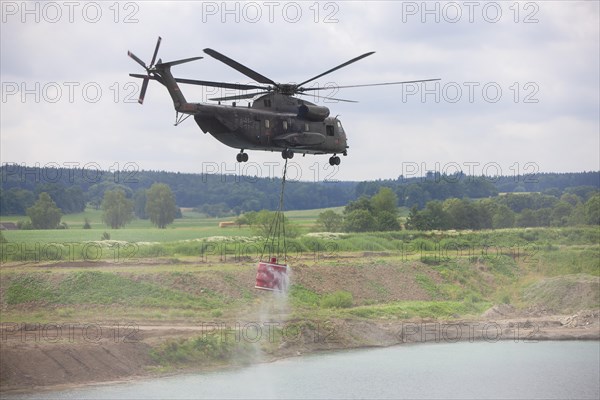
[(288, 89)]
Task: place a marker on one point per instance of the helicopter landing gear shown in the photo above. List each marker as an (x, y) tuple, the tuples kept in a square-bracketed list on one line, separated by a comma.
[(287, 153), (241, 156), (334, 160)]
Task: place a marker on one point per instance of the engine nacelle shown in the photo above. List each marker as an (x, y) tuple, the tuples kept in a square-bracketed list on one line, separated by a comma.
[(312, 112)]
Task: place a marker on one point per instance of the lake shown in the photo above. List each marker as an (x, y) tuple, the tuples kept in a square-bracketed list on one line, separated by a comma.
[(554, 369)]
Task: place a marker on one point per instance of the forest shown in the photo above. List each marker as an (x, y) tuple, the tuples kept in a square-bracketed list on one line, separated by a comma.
[(72, 189)]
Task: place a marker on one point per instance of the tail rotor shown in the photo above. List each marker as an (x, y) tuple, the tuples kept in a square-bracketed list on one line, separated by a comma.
[(149, 70)]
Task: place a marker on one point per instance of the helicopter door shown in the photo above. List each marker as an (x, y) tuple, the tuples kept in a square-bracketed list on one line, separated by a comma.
[(268, 131), (329, 130)]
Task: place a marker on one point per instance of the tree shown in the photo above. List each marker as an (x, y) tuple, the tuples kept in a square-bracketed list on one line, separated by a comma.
[(15, 201), (139, 204), (386, 221), (330, 221), (69, 200), (416, 220), (362, 203), (503, 217), (385, 200), (415, 196), (434, 216), (526, 218), (117, 209), (160, 205), (44, 214), (264, 222), (592, 210), (359, 221), (460, 213), (243, 219), (561, 213), (571, 198)]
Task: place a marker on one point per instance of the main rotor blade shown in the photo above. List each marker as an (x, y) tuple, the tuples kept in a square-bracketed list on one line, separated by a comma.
[(239, 97), (368, 84), (239, 67), (177, 62), (136, 59), (155, 51), (328, 98), (336, 68), (143, 76), (143, 91), (226, 85)]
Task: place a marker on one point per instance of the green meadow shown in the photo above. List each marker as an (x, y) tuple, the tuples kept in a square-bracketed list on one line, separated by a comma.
[(196, 271)]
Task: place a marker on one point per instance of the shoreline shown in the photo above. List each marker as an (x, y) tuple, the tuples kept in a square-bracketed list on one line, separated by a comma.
[(346, 334)]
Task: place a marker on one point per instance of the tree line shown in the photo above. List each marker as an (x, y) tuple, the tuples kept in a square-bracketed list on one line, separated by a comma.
[(379, 213), (418, 192), (72, 189), (117, 210), (508, 211)]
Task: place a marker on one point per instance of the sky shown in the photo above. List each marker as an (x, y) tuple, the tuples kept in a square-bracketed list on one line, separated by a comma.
[(518, 91)]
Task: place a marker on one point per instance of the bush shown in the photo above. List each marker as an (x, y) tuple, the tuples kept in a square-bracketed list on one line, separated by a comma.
[(24, 225), (300, 295), (338, 299)]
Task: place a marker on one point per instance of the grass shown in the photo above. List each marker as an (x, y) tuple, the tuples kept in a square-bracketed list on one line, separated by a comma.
[(337, 299), (429, 285), (421, 309), (213, 348), (195, 226), (473, 269), (567, 293), (302, 297), (100, 288)]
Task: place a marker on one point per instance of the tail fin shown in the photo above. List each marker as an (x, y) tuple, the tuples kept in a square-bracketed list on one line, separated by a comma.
[(161, 72)]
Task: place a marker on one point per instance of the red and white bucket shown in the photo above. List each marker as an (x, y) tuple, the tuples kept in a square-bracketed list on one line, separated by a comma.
[(272, 276)]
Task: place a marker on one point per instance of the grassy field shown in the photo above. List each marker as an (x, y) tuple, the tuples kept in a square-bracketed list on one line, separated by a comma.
[(193, 225), (195, 271), (197, 237)]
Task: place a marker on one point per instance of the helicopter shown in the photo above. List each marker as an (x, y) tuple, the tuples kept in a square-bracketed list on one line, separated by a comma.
[(275, 121)]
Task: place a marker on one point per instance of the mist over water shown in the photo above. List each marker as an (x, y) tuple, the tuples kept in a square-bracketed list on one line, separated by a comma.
[(271, 311)]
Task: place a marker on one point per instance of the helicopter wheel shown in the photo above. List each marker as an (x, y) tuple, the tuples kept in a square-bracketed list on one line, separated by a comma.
[(287, 153), (334, 160), (241, 157)]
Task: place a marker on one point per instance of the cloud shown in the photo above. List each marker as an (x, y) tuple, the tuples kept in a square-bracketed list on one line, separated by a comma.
[(547, 72)]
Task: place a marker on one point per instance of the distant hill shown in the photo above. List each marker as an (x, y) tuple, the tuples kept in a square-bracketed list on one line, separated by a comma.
[(73, 188)]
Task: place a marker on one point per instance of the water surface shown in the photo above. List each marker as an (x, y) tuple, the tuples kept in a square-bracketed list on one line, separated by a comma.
[(447, 370)]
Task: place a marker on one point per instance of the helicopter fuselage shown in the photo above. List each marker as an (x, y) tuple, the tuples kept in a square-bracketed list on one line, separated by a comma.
[(274, 122)]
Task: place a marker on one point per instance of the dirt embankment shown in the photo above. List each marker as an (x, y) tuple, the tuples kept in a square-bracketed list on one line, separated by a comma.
[(38, 356), (34, 356)]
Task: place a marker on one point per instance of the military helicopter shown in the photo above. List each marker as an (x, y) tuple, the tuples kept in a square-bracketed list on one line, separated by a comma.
[(275, 121)]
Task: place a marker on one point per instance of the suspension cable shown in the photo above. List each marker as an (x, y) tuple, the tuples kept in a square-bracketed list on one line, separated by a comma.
[(277, 229)]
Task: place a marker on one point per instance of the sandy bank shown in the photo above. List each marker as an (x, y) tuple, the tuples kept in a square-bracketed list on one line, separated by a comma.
[(38, 357)]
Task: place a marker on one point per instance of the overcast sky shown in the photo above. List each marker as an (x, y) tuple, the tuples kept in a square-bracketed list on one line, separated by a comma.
[(519, 89)]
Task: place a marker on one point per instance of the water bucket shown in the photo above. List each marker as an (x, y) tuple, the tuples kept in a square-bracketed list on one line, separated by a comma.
[(271, 276)]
